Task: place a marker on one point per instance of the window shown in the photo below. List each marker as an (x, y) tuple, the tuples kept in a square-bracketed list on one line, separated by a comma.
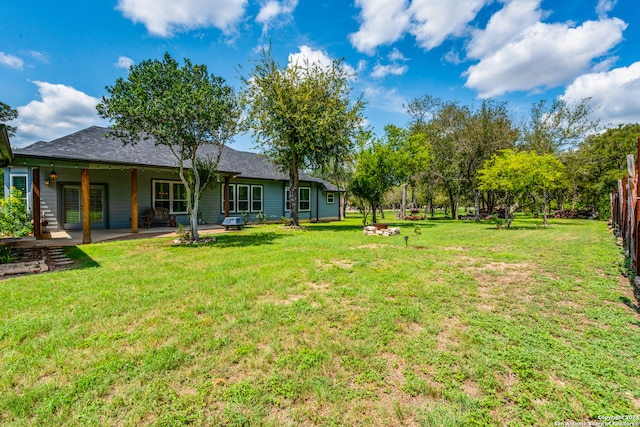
[(256, 198), (19, 182), (171, 195), (330, 198), (287, 205), (243, 198), (304, 199), (179, 198)]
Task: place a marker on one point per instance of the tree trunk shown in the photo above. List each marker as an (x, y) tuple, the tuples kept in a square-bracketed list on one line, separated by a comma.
[(381, 212), (403, 207), (476, 204), (293, 194), (544, 208), (454, 205), (345, 201), (373, 213)]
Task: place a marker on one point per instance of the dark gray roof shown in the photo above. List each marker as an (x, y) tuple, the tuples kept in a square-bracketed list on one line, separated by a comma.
[(94, 145)]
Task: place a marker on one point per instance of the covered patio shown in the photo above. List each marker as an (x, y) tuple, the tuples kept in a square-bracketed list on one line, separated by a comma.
[(75, 237)]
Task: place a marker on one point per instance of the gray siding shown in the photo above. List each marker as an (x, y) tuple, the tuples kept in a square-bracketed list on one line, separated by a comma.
[(117, 184)]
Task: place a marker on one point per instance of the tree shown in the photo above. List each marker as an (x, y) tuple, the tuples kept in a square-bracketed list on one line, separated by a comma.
[(374, 174), (302, 116), (6, 115), (517, 174), (487, 130), (410, 157), (597, 164), (557, 126), (181, 107)]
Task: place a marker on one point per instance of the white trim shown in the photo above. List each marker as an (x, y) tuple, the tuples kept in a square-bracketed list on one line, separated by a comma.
[(247, 200), (306, 200), (333, 198), (26, 192), (171, 199), (253, 209), (286, 199)]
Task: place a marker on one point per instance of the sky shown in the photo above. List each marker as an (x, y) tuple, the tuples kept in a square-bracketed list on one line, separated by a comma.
[(57, 58)]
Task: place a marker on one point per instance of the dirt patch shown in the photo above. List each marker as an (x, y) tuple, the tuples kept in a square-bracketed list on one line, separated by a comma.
[(322, 287), (451, 335), (290, 299), (344, 264), (500, 273), (371, 246)]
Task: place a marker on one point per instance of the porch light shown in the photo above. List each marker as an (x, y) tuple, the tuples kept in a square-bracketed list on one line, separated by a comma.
[(53, 175)]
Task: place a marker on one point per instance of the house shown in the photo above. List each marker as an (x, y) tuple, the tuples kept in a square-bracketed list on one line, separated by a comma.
[(120, 182)]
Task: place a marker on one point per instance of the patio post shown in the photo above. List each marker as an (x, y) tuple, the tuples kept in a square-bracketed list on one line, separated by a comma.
[(35, 205), (134, 200), (86, 206), (225, 189)]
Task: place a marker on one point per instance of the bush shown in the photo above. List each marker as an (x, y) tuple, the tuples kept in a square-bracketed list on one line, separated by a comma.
[(15, 221)]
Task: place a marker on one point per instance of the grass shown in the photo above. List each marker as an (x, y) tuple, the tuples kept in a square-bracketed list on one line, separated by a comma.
[(468, 325)]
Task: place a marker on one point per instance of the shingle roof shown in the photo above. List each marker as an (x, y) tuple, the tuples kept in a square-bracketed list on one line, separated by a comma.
[(94, 145)]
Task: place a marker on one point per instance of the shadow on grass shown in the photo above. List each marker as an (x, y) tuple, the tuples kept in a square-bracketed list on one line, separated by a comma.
[(80, 258), (244, 240), (626, 301)]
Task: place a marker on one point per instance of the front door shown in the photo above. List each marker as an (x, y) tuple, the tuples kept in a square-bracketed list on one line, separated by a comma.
[(72, 206)]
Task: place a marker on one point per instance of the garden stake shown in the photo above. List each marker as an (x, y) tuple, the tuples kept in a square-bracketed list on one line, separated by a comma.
[(406, 241)]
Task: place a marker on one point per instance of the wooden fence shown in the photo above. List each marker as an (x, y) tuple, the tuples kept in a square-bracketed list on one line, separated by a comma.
[(625, 210)]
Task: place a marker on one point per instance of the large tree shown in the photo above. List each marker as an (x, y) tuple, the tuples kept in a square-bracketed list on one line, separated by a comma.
[(375, 173), (6, 115), (302, 116), (598, 163), (556, 126), (180, 107), (516, 175)]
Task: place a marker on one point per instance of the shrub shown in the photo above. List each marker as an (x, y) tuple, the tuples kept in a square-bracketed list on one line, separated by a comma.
[(6, 255), (15, 221)]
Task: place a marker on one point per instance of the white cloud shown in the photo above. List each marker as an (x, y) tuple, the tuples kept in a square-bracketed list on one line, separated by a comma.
[(543, 56), (164, 17), (382, 22), (615, 94), (321, 58), (436, 20), (504, 26), (124, 62), (11, 61), (380, 71), (61, 111), (40, 56), (396, 55), (273, 11), (604, 7)]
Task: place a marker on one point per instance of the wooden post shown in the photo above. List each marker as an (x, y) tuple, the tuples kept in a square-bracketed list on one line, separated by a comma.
[(134, 200), (623, 203), (86, 206), (225, 189), (636, 255), (35, 203)]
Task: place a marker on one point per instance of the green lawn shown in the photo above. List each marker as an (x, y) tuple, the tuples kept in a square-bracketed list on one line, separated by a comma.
[(468, 325)]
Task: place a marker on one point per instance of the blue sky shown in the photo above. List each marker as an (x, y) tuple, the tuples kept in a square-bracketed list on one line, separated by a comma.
[(57, 57)]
